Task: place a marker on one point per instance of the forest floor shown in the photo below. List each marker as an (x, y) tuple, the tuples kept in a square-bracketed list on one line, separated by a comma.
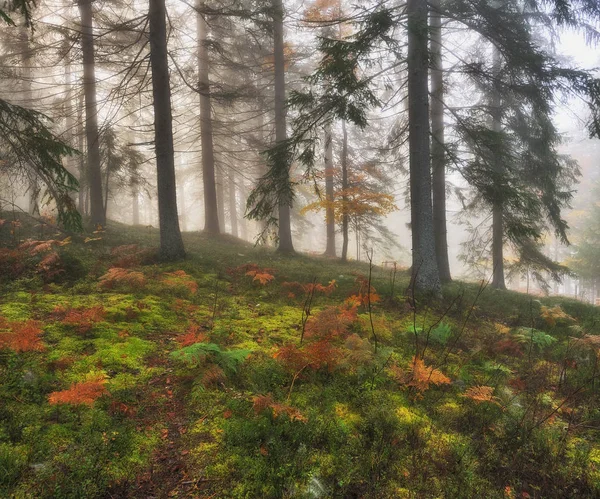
[(243, 373)]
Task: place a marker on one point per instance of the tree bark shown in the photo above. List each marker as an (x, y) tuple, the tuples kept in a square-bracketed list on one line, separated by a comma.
[(82, 163), (220, 197), (233, 215), (285, 224), (171, 243), (211, 212), (329, 194), (498, 281), (26, 61), (425, 274), (438, 153), (135, 205), (91, 114), (345, 220)]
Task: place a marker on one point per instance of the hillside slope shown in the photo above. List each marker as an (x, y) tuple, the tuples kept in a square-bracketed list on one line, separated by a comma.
[(241, 373)]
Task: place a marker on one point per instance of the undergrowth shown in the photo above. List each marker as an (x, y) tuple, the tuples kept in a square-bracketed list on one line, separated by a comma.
[(241, 373)]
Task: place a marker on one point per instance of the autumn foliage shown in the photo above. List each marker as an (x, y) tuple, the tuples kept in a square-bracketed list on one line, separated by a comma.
[(118, 277), (84, 393), (420, 376), (262, 403), (21, 336), (480, 394), (180, 278), (82, 319)]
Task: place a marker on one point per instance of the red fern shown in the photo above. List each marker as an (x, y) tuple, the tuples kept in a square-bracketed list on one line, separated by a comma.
[(263, 403), (84, 319), (117, 277), (22, 336), (180, 278), (84, 393)]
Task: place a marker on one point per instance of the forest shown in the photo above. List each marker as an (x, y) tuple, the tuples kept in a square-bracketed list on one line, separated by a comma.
[(299, 249)]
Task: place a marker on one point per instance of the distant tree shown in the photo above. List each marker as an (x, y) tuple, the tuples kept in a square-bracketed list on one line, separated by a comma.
[(29, 149), (211, 210), (97, 212)]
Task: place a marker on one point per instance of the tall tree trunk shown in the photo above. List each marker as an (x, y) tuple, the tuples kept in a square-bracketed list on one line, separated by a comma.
[(243, 198), (183, 210), (80, 145), (220, 197), (285, 223), (438, 153), (26, 61), (262, 168), (425, 274), (91, 114), (329, 207), (171, 243), (211, 213), (135, 205), (233, 215), (498, 281), (345, 221)]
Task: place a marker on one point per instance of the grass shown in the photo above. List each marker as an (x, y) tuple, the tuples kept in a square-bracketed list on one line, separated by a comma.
[(211, 383)]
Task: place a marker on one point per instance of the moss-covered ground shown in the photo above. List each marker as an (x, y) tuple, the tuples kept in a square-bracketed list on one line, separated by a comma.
[(243, 373)]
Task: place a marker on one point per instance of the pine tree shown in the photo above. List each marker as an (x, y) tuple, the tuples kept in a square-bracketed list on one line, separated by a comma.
[(171, 243)]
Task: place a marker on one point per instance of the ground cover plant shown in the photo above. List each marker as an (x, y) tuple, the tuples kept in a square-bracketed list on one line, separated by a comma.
[(242, 373)]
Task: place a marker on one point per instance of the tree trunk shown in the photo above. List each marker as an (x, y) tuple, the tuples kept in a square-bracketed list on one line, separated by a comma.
[(233, 215), (135, 205), (438, 153), (285, 224), (211, 212), (425, 275), (220, 197), (243, 198), (184, 214), (498, 281), (171, 243), (80, 145), (91, 114), (329, 208), (26, 60), (345, 221)]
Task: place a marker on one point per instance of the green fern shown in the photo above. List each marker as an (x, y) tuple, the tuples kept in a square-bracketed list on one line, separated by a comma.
[(228, 360), (540, 339)]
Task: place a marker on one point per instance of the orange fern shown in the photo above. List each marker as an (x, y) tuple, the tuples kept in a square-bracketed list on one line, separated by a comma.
[(84, 393), (22, 337), (262, 403), (480, 394), (420, 376), (116, 277), (180, 278)]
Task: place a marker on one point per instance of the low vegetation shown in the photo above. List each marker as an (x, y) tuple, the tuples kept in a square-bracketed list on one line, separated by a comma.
[(240, 373)]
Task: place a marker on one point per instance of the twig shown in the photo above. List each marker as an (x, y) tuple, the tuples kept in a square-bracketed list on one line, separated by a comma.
[(306, 309), (214, 310), (370, 257)]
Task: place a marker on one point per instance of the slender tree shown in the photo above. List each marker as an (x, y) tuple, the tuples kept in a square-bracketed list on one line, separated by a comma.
[(438, 147), (284, 209), (425, 273), (91, 114), (212, 215), (329, 193), (171, 243), (345, 186)]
